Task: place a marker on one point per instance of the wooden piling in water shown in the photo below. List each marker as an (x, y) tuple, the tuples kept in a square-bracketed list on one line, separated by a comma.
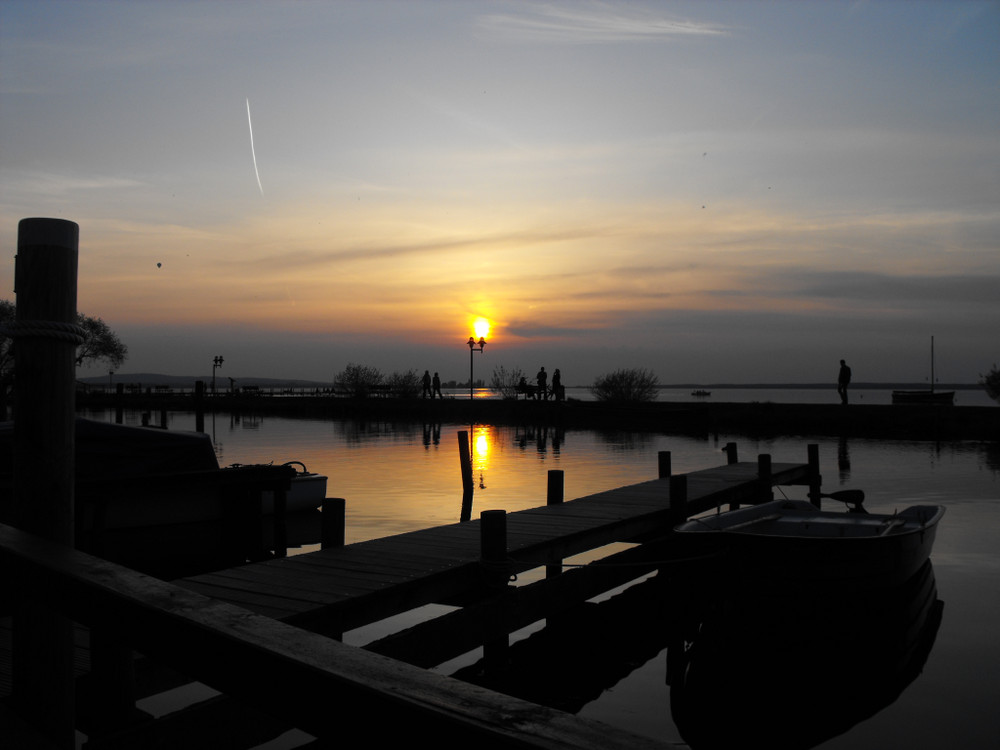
[(47, 334), (334, 524), (764, 476), (815, 478), (555, 490), (663, 464), (468, 484)]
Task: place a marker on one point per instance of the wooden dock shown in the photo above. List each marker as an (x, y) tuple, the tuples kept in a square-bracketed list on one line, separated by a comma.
[(259, 632), (341, 588)]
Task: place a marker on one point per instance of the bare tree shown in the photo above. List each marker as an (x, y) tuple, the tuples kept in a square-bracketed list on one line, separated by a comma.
[(991, 382), (505, 381), (635, 384)]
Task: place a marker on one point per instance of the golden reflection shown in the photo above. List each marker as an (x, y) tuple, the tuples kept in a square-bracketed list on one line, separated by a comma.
[(483, 437)]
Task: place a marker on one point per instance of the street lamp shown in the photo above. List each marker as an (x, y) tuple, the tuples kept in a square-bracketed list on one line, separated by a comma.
[(473, 344), (216, 363)]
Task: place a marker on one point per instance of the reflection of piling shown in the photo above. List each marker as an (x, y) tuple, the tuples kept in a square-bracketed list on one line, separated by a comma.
[(468, 485), (44, 449)]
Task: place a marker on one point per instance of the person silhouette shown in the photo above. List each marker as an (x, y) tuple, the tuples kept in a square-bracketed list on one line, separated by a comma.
[(427, 385), (557, 385), (437, 387), (843, 380), (541, 378)]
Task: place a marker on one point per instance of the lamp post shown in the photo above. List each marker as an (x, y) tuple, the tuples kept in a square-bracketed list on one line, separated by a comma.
[(216, 363), (473, 344)]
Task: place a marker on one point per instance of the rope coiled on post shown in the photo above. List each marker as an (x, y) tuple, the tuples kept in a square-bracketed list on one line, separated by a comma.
[(45, 329)]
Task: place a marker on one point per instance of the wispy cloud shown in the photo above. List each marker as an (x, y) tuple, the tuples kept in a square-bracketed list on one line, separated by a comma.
[(593, 23)]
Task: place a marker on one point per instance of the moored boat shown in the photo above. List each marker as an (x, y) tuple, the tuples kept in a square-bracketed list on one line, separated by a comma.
[(791, 540)]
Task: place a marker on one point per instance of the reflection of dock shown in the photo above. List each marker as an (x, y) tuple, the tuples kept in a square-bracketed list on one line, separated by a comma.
[(261, 652)]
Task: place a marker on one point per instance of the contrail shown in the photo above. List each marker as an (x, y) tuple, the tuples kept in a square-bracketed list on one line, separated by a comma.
[(252, 152)]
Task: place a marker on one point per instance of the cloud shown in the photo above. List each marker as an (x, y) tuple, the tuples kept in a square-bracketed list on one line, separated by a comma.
[(592, 23)]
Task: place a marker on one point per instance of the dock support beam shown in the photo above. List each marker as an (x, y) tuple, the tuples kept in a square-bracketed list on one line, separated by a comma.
[(46, 335)]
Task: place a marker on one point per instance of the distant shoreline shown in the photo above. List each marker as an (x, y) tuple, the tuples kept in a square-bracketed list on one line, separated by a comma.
[(188, 382)]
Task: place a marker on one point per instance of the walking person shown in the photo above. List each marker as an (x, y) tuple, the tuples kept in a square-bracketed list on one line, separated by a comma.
[(843, 380), (437, 387), (557, 391), (427, 385), (541, 378)]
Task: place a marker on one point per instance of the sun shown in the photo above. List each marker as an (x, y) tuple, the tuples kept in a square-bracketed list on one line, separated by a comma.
[(482, 327)]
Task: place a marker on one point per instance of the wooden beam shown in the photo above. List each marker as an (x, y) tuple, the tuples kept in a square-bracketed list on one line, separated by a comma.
[(316, 683)]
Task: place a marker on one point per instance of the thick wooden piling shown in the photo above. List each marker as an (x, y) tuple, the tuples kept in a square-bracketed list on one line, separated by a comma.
[(334, 525), (764, 476), (663, 465), (555, 491), (493, 553), (46, 335)]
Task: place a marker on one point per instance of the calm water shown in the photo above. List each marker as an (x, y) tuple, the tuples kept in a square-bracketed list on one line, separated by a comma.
[(401, 477)]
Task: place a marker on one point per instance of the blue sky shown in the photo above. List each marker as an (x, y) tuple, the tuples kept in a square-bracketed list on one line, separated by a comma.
[(733, 191)]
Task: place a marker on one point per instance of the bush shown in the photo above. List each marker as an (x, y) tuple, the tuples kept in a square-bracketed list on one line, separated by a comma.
[(991, 382), (635, 384), (358, 380), (405, 384), (505, 381)]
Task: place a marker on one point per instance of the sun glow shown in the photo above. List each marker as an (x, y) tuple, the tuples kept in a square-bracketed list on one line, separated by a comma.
[(482, 327)]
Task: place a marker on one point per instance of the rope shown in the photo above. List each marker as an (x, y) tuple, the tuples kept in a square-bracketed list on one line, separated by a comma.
[(45, 329)]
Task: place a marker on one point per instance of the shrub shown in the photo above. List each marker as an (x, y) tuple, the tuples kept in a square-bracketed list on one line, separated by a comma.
[(405, 384), (358, 380), (991, 382), (636, 384), (505, 381)]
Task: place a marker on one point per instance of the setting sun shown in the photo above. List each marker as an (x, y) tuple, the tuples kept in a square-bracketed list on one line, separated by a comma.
[(481, 327)]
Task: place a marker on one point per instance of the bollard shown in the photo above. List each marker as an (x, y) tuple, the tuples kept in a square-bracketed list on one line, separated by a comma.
[(334, 524), (46, 332), (678, 497), (664, 468), (764, 475)]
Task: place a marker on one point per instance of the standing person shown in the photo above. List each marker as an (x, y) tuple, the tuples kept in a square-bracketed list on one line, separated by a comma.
[(843, 380), (557, 385), (427, 385), (541, 378), (437, 387)]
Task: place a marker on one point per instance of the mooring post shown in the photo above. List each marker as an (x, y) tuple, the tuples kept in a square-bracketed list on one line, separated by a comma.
[(493, 556), (764, 476), (815, 478), (731, 456), (554, 496), (334, 525), (46, 334), (678, 497), (663, 466)]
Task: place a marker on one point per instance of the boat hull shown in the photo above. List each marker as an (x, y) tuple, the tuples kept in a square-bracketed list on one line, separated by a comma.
[(788, 542)]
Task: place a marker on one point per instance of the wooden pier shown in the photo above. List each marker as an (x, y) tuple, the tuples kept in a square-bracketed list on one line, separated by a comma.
[(260, 633)]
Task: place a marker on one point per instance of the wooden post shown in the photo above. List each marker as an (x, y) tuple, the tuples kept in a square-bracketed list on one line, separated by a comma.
[(678, 497), (815, 479), (493, 555), (764, 476), (554, 496), (468, 485), (731, 456), (334, 529), (664, 469), (47, 335)]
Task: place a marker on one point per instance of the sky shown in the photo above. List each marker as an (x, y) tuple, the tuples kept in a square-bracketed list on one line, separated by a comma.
[(713, 191)]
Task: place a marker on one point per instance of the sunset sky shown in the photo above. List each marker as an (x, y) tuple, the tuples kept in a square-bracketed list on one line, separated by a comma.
[(715, 191)]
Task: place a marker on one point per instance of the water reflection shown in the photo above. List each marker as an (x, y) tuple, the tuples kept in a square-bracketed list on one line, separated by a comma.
[(796, 670)]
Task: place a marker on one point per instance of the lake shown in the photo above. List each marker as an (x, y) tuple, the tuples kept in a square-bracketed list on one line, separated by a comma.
[(398, 477)]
